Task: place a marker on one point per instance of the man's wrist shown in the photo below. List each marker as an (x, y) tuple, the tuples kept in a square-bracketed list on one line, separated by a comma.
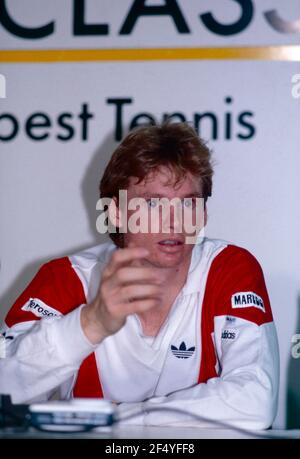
[(91, 326)]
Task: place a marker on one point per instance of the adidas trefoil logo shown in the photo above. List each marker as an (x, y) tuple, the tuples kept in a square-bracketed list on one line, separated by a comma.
[(182, 352)]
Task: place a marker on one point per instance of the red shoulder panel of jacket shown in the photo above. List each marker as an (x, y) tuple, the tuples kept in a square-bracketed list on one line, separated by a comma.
[(235, 287), (56, 284)]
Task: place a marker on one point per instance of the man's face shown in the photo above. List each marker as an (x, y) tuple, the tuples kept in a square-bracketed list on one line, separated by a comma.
[(168, 245)]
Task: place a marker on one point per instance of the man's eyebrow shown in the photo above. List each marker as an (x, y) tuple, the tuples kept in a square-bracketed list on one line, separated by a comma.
[(195, 194)]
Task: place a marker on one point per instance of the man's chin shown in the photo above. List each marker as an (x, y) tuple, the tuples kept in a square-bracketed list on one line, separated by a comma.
[(164, 261)]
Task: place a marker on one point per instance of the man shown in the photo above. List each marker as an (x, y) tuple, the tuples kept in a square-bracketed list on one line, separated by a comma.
[(150, 319)]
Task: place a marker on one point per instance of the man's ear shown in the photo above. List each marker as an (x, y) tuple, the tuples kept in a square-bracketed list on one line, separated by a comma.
[(114, 213)]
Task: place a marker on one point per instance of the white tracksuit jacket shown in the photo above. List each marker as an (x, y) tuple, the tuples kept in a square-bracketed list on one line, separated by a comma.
[(216, 354)]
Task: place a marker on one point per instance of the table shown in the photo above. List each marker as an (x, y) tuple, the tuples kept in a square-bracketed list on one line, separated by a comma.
[(151, 432)]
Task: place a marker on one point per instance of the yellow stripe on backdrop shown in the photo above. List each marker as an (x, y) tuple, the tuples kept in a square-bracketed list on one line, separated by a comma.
[(276, 53)]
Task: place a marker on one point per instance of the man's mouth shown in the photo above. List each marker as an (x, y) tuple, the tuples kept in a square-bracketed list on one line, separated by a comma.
[(171, 242)]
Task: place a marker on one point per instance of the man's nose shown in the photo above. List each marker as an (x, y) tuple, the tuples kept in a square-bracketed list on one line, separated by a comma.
[(172, 221)]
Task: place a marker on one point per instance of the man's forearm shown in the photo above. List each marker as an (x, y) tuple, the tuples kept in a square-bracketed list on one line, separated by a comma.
[(43, 357)]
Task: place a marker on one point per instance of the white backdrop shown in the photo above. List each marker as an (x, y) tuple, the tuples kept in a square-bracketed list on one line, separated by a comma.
[(49, 186)]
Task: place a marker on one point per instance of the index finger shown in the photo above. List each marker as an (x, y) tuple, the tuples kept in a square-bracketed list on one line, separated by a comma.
[(125, 256)]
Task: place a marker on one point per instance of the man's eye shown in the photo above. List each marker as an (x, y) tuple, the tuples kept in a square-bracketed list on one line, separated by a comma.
[(151, 203), (189, 203)]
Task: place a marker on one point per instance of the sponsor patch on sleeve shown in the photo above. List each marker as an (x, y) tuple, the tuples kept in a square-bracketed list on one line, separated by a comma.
[(247, 300), (40, 309)]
